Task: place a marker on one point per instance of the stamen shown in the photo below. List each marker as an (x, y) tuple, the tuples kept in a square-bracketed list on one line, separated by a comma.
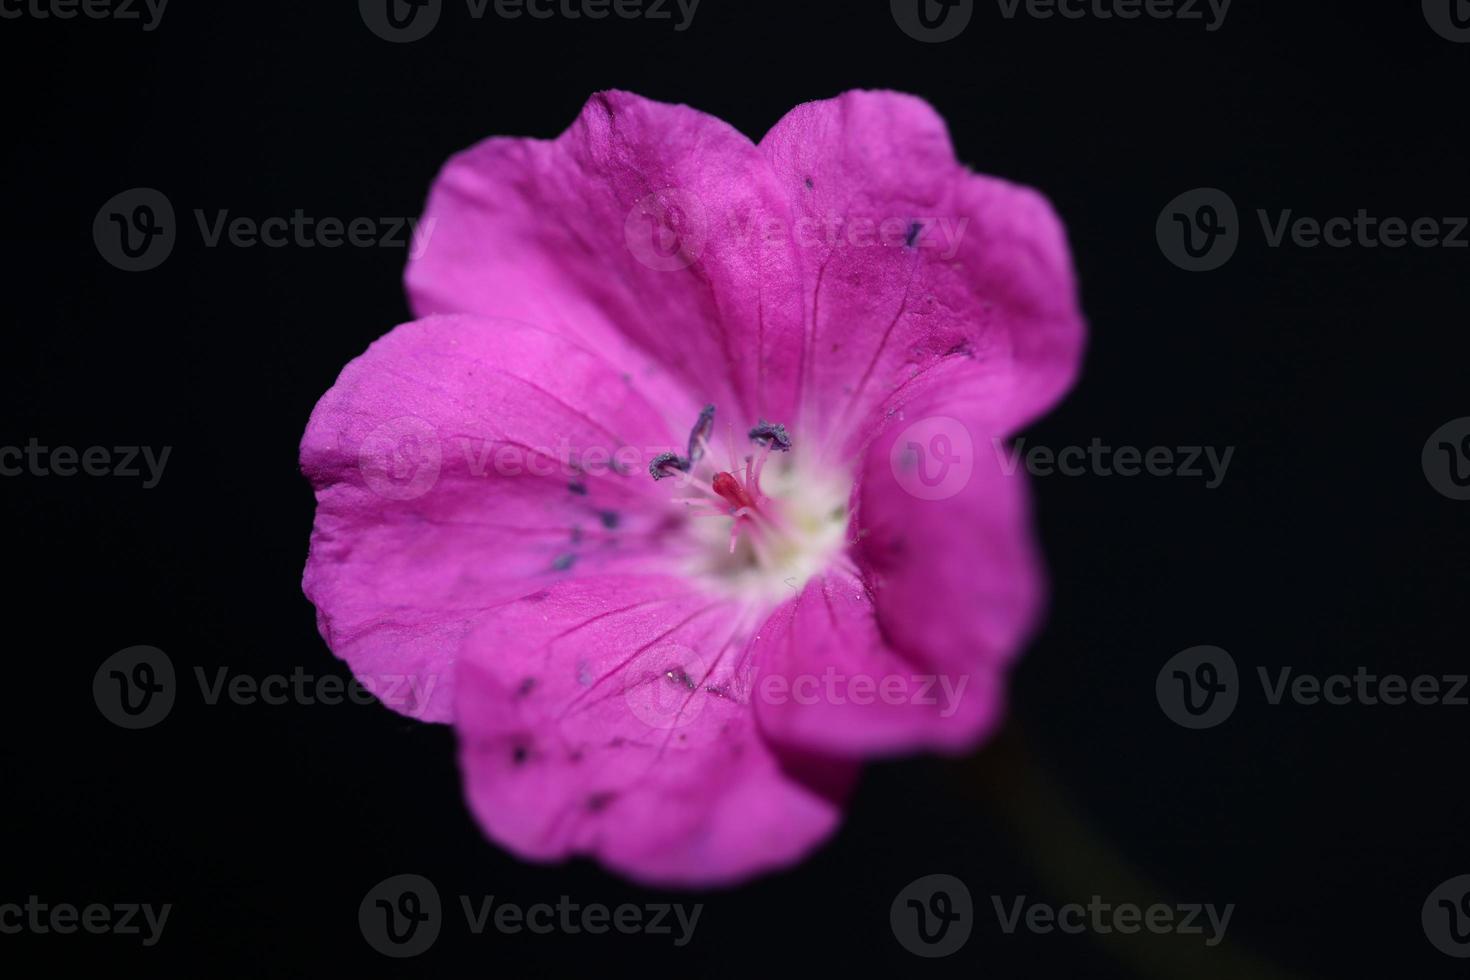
[(790, 535), (772, 435), (665, 465), (760, 465), (757, 541), (699, 435)]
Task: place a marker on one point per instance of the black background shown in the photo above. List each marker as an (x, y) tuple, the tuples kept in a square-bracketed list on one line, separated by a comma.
[(1325, 548)]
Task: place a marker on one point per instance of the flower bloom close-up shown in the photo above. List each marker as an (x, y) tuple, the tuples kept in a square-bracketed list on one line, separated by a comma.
[(680, 499)]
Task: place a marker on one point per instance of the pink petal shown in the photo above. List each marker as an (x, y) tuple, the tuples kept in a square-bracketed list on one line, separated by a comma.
[(831, 683), (610, 717), (986, 290), (427, 513), (637, 232), (952, 585), (945, 537)]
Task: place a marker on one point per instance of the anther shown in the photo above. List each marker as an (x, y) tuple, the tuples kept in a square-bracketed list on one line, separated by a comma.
[(772, 435), (665, 465), (699, 435)]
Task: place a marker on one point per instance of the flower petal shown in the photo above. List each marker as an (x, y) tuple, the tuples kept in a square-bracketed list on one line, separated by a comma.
[(911, 263), (460, 463), (831, 683), (609, 717), (636, 233), (944, 536)]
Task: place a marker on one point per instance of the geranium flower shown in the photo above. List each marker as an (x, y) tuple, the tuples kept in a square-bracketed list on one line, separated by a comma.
[(681, 500)]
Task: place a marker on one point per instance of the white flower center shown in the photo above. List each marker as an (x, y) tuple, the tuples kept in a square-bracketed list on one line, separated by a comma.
[(794, 528)]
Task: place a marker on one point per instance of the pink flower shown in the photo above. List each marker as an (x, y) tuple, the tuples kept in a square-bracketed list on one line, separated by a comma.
[(683, 496)]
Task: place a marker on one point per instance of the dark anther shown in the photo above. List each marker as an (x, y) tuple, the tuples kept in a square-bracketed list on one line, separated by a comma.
[(578, 487), (564, 563), (665, 465), (610, 519), (699, 435), (772, 434), (913, 235)]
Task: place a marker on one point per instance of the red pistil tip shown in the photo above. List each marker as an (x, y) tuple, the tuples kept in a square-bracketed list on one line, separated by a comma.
[(731, 491)]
